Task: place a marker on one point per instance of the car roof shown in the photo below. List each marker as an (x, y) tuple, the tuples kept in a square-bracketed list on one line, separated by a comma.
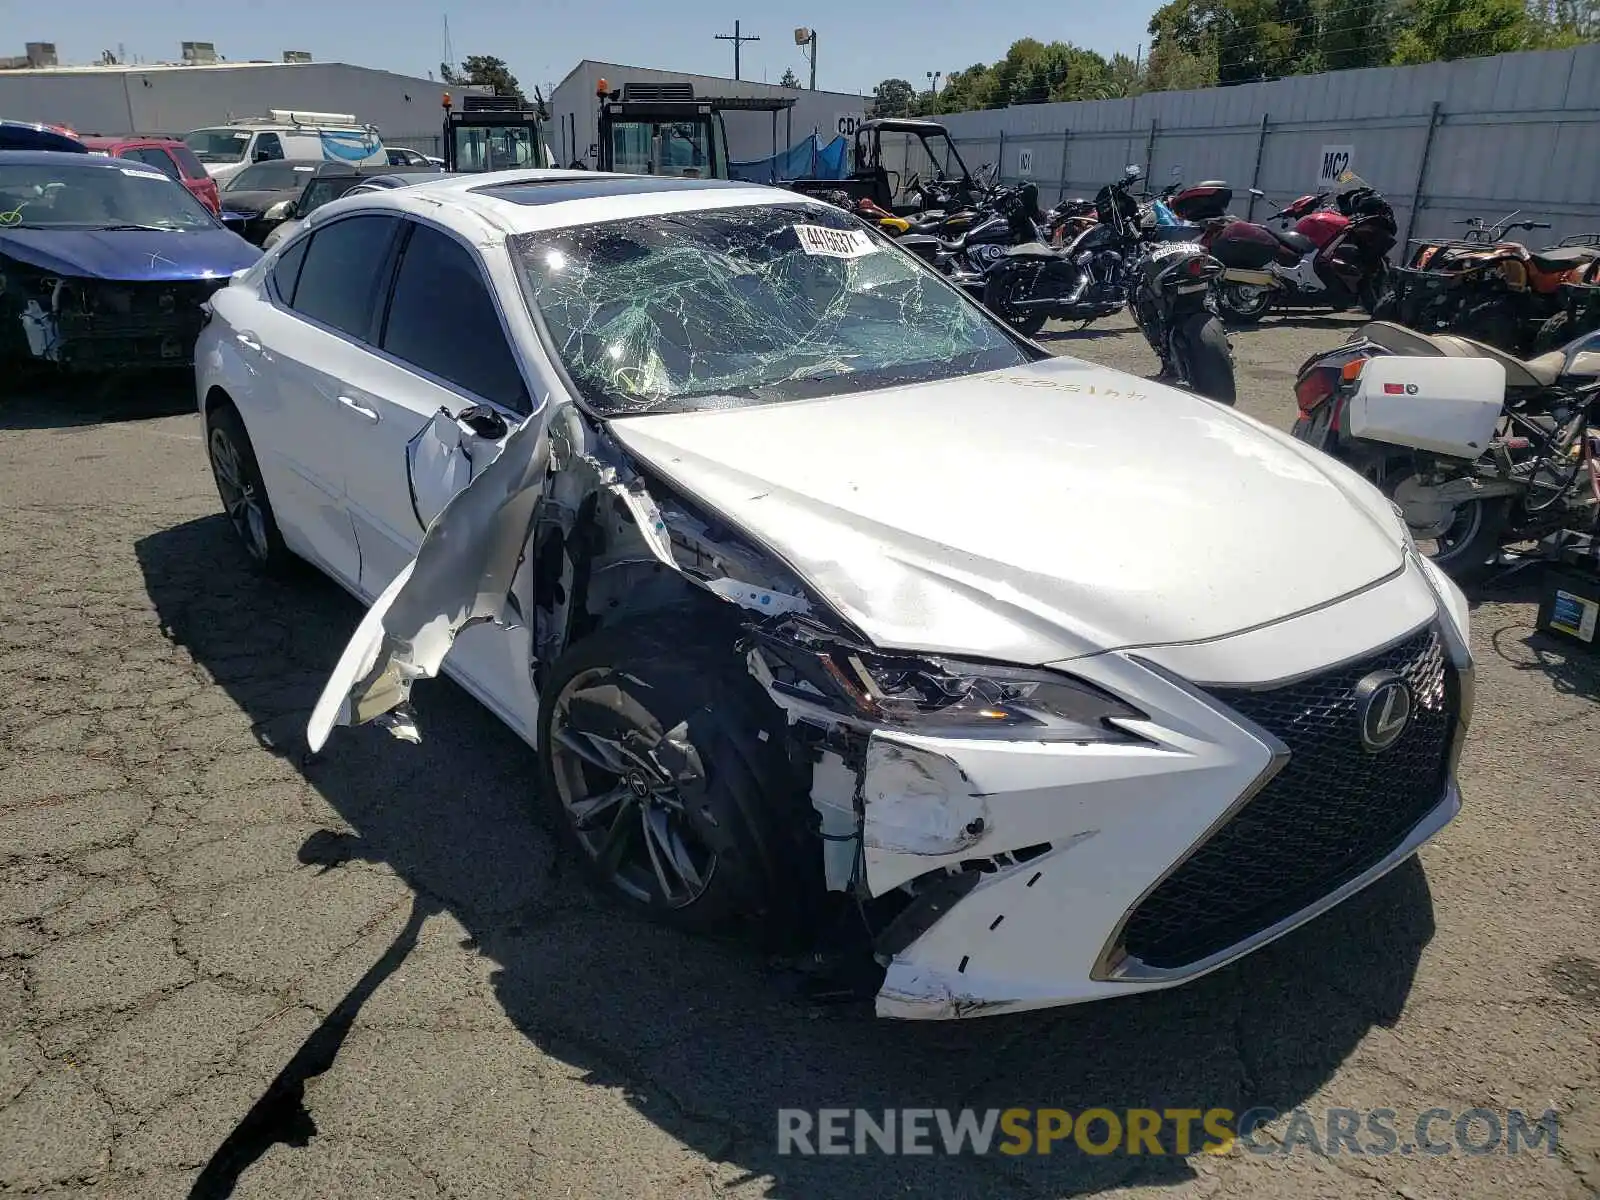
[(60, 158), (529, 200), (98, 141)]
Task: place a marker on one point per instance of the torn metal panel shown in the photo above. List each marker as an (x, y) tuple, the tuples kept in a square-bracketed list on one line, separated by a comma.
[(446, 453), (463, 574)]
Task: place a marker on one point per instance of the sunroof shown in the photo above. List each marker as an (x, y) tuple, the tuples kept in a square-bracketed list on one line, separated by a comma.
[(555, 191)]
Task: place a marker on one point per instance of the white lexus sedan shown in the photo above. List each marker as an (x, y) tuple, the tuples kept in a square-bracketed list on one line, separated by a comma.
[(837, 612)]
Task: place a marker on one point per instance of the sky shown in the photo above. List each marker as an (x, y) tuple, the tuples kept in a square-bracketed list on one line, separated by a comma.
[(858, 43)]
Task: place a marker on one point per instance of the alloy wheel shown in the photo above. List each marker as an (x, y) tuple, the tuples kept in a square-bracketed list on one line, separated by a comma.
[(625, 807), (240, 495)]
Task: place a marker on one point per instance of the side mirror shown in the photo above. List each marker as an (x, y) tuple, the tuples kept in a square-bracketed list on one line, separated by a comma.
[(1131, 172)]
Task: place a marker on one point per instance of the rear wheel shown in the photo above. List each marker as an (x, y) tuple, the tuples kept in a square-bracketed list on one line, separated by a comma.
[(1463, 542), (663, 765), (1554, 333), (1493, 322), (1244, 303), (1204, 359), (999, 290)]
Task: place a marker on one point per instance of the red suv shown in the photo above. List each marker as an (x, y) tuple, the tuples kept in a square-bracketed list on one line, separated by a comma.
[(165, 154)]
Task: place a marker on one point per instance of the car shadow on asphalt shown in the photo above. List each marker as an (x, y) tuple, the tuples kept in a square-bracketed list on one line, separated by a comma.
[(61, 401), (708, 1040)]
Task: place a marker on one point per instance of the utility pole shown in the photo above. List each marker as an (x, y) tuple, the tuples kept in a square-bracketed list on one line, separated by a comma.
[(738, 41)]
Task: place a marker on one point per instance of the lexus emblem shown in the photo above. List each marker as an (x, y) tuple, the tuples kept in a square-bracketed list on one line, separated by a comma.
[(1383, 706)]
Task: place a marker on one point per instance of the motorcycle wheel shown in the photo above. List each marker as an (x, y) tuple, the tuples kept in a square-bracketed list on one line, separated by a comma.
[(997, 291), (1204, 359), (1466, 549), (1553, 334), (1243, 304)]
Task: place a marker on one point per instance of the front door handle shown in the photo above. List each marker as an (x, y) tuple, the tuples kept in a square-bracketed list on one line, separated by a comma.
[(359, 408), (248, 341)]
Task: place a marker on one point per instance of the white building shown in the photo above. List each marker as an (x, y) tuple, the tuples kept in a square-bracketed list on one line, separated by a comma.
[(575, 111), (175, 98)]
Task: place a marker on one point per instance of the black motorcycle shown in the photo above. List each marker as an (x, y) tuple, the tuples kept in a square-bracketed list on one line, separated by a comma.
[(1159, 271), (1010, 217)]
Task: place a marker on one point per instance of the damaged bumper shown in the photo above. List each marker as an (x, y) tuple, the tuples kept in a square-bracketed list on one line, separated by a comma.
[(96, 325)]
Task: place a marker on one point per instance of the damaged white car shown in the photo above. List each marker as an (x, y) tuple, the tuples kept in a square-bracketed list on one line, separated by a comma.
[(834, 608)]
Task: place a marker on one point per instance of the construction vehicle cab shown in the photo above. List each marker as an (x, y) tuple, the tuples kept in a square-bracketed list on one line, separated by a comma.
[(494, 133), (661, 129)]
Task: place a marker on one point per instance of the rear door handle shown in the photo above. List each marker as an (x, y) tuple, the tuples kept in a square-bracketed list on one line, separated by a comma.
[(356, 406), (248, 341)]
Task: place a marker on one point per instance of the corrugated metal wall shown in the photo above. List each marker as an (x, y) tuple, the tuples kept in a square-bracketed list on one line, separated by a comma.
[(1517, 131)]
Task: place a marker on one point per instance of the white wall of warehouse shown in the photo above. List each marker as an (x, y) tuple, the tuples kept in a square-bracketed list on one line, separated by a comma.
[(1443, 141), (174, 100), (750, 134)]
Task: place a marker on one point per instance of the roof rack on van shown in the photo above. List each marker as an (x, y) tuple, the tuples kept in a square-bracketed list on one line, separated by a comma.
[(290, 116)]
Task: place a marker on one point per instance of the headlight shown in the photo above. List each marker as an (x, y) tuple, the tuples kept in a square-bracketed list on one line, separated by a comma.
[(946, 697)]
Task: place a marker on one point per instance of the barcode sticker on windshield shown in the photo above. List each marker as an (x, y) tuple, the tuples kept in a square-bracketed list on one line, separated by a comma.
[(143, 174), (833, 243)]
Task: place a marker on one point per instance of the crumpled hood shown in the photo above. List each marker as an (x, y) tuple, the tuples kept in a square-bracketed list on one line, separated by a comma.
[(1034, 514), (130, 255)]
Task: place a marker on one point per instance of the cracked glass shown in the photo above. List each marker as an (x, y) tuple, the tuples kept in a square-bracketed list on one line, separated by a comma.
[(731, 307)]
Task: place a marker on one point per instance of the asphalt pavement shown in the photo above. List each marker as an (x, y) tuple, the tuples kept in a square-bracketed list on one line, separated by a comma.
[(227, 970)]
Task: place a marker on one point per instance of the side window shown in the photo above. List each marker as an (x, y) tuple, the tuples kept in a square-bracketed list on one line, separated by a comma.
[(192, 168), (155, 158), (268, 145), (286, 273), (443, 320), (338, 282)]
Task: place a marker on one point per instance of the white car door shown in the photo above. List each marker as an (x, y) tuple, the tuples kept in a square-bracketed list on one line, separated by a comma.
[(312, 344), (441, 389)]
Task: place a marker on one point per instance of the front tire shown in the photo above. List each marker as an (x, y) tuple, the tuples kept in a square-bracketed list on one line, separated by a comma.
[(243, 493), (664, 767), (1204, 358)]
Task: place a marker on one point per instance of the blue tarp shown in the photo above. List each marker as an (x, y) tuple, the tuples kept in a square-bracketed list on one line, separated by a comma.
[(804, 160)]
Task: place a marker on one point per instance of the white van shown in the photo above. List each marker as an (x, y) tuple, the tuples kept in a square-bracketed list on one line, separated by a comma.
[(286, 133)]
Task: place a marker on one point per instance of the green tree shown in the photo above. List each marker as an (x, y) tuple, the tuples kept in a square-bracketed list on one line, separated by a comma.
[(1451, 29), (789, 79), (893, 98), (483, 70)]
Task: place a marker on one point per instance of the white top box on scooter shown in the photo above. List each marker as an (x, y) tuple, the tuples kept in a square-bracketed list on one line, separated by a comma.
[(1447, 405)]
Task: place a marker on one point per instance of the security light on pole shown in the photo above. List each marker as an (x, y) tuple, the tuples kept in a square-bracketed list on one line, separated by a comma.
[(806, 39)]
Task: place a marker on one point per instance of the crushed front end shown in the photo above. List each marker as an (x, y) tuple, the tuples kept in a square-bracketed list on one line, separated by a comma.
[(85, 324)]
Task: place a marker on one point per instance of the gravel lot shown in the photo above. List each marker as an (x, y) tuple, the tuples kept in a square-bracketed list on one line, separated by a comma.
[(227, 971)]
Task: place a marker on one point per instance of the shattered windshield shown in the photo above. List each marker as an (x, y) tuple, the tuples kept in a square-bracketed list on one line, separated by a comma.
[(746, 305)]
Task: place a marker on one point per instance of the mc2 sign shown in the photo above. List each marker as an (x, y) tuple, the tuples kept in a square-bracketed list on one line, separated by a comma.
[(1333, 162)]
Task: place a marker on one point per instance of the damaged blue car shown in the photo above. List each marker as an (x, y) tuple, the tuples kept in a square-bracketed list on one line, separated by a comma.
[(105, 264)]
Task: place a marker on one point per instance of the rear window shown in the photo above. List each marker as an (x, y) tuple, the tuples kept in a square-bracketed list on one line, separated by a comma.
[(191, 166)]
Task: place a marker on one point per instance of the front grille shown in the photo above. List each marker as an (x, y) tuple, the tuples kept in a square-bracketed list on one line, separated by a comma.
[(1330, 813)]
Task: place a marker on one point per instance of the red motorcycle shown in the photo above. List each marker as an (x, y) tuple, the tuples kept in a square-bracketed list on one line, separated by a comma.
[(1329, 250)]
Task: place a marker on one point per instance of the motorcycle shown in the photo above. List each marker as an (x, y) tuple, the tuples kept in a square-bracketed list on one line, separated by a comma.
[(1477, 450), (1011, 217), (1486, 287), (1136, 255), (1334, 256)]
